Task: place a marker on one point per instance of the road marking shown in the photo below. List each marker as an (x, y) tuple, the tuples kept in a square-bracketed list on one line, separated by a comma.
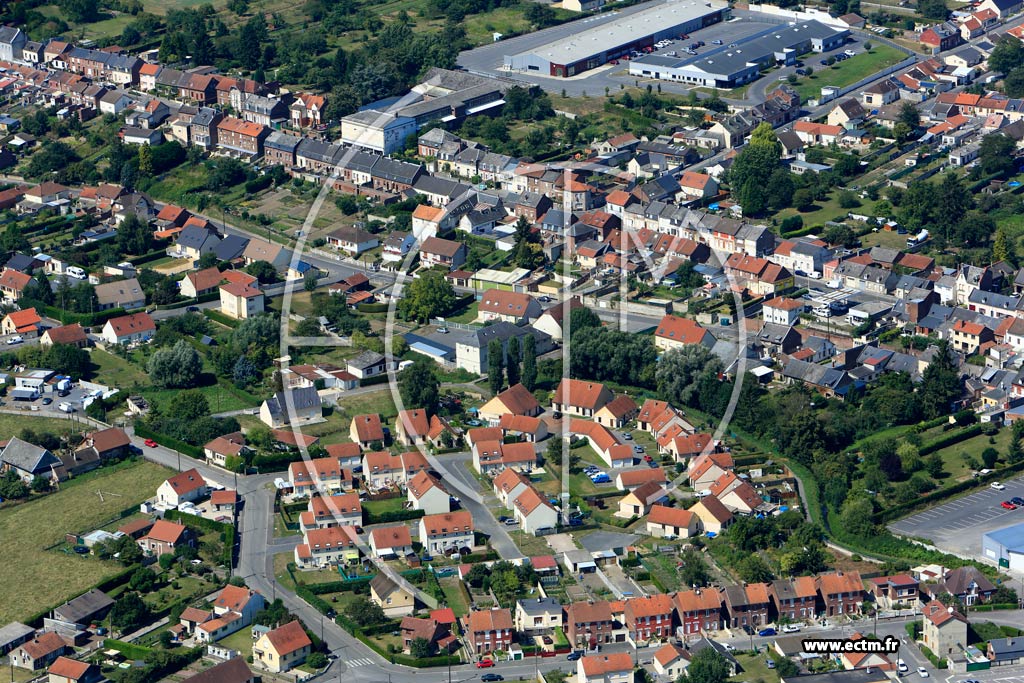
[(363, 661)]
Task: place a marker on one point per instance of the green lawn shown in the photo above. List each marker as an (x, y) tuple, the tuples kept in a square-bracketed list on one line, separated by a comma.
[(379, 402), (187, 587), (848, 71), (11, 425), (30, 529), (455, 595), (220, 399), (379, 507), (755, 669), (116, 371), (822, 212)]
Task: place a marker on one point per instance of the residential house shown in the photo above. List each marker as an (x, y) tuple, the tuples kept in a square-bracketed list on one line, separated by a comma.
[(391, 541), (581, 398), (450, 531), (516, 400), (629, 480), (367, 364), (706, 469), (714, 516), (488, 631), (229, 671), (164, 537), (967, 584), (649, 618), (28, 461), (880, 93), (426, 493), (240, 301), (188, 486), (241, 138), (537, 616), (533, 511), (292, 406), (327, 548), (396, 600), (699, 611), (675, 332), (747, 605), (353, 240), (666, 522), (607, 668), (944, 630), (512, 307), (899, 591), (795, 598), (589, 624), (129, 329), (671, 661), (67, 670), (93, 605), (841, 593), (283, 648), (366, 430), (126, 294), (25, 323), (39, 652), (968, 337), (12, 283), (946, 36)]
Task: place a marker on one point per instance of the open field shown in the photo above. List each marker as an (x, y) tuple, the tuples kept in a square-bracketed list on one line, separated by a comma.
[(11, 425), (29, 529), (116, 371), (848, 71)]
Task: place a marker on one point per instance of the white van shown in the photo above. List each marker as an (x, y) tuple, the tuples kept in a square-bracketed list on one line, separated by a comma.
[(75, 272), (65, 407)]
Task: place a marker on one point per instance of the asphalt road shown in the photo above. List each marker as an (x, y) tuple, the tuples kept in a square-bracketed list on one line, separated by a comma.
[(957, 526)]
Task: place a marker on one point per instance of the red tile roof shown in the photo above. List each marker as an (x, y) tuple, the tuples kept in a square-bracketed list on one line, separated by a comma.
[(289, 638)]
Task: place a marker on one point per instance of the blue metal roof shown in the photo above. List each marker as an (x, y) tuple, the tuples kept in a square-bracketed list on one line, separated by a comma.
[(1011, 537)]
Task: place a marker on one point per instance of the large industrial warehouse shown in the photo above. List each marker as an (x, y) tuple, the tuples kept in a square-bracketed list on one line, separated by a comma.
[(1005, 547), (734, 65), (596, 46)]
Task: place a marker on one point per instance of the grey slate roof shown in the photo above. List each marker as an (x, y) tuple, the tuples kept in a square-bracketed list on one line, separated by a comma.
[(231, 247), (28, 457), (82, 609), (194, 237), (297, 399)]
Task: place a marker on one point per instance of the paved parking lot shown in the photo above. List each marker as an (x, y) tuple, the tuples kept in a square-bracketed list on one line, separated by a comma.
[(957, 526)]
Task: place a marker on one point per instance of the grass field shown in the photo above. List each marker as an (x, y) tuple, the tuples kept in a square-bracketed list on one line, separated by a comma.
[(116, 371), (11, 425), (455, 595), (379, 507), (848, 71), (29, 529)]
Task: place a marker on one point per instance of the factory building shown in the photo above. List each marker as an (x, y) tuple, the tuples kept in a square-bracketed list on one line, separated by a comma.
[(596, 46), (733, 65)]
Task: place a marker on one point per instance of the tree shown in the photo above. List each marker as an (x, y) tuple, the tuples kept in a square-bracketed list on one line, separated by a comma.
[(848, 200), (902, 132), (940, 384), (996, 154), (553, 453), (129, 612), (989, 457), (11, 486), (166, 640), (693, 570), (707, 666), (679, 371), (1007, 55), (495, 366), (309, 281), (933, 9), (263, 271), (143, 580), (419, 387), (40, 484), (134, 236), (753, 569), (177, 367), (80, 11), (754, 167), (909, 115), (365, 612), (512, 361), (839, 234), (245, 372), (529, 378), (420, 648), (426, 297), (527, 252), (1002, 247), (856, 516), (803, 199), (582, 318)]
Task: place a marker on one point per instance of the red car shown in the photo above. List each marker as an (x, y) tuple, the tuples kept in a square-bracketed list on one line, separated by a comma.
[(1007, 505), (150, 443), (485, 664)]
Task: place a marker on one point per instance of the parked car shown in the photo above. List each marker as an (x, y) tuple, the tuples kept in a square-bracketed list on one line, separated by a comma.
[(491, 677), (547, 640), (770, 663), (626, 436), (638, 449), (922, 671), (716, 42), (47, 401), (573, 656), (485, 664), (1007, 505), (766, 632), (150, 443), (902, 666), (997, 486), (16, 339), (511, 522), (1017, 500), (791, 628), (192, 309)]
